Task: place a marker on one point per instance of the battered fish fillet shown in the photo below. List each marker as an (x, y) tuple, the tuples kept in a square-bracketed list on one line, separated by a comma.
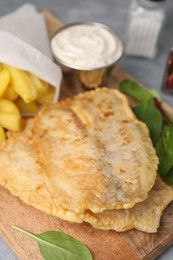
[(144, 216), (86, 154), (95, 154)]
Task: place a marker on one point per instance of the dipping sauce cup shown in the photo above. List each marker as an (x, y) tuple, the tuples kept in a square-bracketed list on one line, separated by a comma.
[(88, 47)]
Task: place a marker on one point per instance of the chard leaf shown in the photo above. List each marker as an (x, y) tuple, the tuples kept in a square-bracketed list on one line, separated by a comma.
[(155, 94), (55, 245), (149, 114), (131, 88), (169, 177), (164, 149)]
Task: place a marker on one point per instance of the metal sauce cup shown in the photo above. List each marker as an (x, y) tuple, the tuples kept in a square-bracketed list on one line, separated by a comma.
[(86, 47)]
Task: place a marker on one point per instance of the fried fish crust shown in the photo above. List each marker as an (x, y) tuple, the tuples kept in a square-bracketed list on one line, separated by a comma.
[(144, 216), (87, 153)]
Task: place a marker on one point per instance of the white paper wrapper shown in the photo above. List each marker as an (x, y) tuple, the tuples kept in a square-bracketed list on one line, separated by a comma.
[(24, 44)]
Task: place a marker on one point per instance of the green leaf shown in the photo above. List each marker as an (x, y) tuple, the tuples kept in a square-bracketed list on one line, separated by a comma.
[(55, 245), (154, 93), (169, 177), (148, 113), (164, 149), (131, 88)]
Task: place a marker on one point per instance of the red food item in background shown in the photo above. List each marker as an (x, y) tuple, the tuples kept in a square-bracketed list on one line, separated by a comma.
[(168, 83)]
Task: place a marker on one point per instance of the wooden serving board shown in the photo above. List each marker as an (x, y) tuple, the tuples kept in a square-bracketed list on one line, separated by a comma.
[(130, 245)]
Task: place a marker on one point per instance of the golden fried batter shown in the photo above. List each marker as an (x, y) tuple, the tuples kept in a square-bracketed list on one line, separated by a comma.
[(125, 152), (144, 216), (86, 154)]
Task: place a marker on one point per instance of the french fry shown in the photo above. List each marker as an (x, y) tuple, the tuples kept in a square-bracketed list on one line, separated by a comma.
[(4, 80), (10, 117), (21, 93), (46, 98), (26, 108), (10, 93), (40, 85), (22, 84), (12, 122), (2, 134), (7, 106)]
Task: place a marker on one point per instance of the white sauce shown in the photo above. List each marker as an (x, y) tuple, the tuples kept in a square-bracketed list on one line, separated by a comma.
[(86, 46)]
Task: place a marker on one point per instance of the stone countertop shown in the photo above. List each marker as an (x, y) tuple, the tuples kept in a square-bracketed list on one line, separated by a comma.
[(113, 13)]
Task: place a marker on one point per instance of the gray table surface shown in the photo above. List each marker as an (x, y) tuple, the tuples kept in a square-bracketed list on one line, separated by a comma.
[(113, 13)]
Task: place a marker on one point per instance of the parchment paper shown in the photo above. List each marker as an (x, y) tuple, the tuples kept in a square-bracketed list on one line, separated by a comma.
[(24, 44)]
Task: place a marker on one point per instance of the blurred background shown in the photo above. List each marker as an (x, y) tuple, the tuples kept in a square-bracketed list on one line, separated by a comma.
[(113, 13)]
